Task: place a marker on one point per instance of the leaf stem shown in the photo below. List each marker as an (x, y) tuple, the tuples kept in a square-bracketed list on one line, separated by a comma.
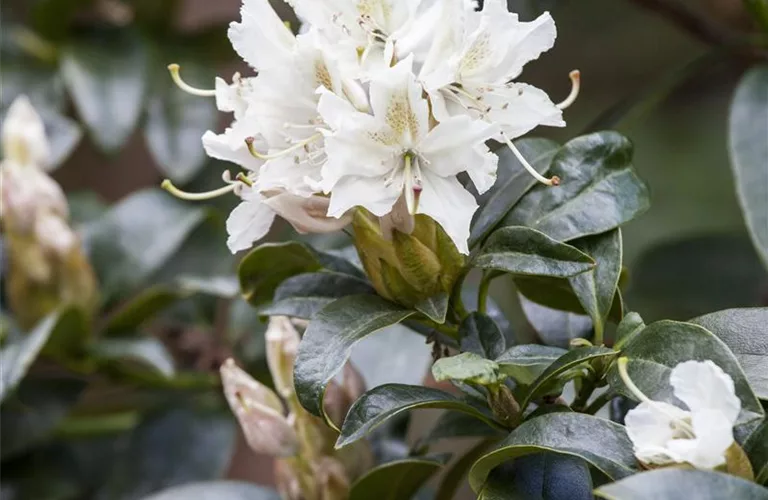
[(456, 300), (89, 426), (482, 293), (599, 402), (582, 398)]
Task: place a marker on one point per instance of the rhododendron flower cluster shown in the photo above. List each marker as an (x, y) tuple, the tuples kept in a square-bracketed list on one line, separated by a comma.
[(377, 104)]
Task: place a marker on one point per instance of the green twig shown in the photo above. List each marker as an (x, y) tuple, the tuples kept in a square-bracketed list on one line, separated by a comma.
[(599, 402), (456, 300), (482, 293), (97, 425)]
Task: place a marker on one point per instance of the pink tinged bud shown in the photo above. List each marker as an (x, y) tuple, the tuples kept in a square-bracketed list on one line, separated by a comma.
[(287, 481), (306, 215), (54, 234), (26, 192), (23, 135), (259, 412), (282, 345), (398, 219), (331, 478)]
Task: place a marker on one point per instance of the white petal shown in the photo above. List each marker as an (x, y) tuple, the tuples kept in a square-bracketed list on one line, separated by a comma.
[(650, 428), (307, 215), (713, 436), (368, 192), (520, 108), (261, 38), (249, 222), (53, 232), (234, 97), (354, 153), (335, 110), (24, 139), (396, 98), (528, 42), (230, 146), (483, 169), (282, 341), (454, 136), (450, 205), (702, 385), (285, 174)]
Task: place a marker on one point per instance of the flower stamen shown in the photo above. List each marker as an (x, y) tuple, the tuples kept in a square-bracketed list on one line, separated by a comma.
[(575, 76), (553, 181), (174, 70), (208, 195), (266, 157)]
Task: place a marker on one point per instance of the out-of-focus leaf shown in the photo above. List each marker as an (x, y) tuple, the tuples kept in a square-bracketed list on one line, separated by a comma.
[(749, 150), (329, 339), (129, 317), (409, 364), (387, 401), (37, 80), (599, 191), (667, 484), (745, 332), (53, 18), (170, 449), (525, 251), (225, 287), (756, 448), (525, 363), (512, 182), (687, 278), (31, 415), (216, 490), (456, 473), (176, 120), (661, 346), (303, 295), (600, 442), (454, 424), (106, 73), (399, 479), (555, 327), (138, 237), (480, 335), (85, 207), (70, 335), (135, 354), (63, 136), (22, 476)]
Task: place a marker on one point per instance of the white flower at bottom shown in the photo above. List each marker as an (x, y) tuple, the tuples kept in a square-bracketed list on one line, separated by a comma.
[(664, 434)]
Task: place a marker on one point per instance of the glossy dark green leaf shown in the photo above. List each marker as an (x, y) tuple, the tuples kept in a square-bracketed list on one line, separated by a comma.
[(512, 182), (467, 367), (749, 149), (329, 339), (602, 443), (18, 355), (396, 480), (756, 448), (631, 325), (663, 345), (597, 289), (387, 401), (216, 490), (555, 327), (138, 237), (177, 120), (33, 413), (435, 308), (303, 295), (668, 484), (525, 251), (454, 424), (545, 476), (480, 335), (599, 190), (564, 363), (170, 449), (130, 316), (106, 74), (695, 276), (525, 363), (135, 354), (265, 267), (744, 332)]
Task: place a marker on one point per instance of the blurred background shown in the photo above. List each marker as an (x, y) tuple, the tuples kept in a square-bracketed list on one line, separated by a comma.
[(97, 72)]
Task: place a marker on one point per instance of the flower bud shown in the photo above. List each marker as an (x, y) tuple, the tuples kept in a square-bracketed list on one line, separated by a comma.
[(504, 405), (282, 345), (287, 481), (332, 480), (24, 140), (259, 412)]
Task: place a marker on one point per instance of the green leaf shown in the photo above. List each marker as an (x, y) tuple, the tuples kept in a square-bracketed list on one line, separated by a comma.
[(525, 363), (597, 289), (661, 346), (527, 252), (631, 325), (756, 448), (467, 367), (147, 353), (545, 476), (106, 74), (34, 412), (177, 120), (70, 335), (17, 356), (387, 401), (265, 267), (218, 490), (329, 339), (138, 237), (223, 287), (454, 424), (668, 484), (512, 182), (480, 335), (744, 332), (599, 191), (749, 149), (169, 449), (435, 308), (555, 327), (53, 18), (40, 81), (395, 480), (303, 295), (602, 443), (130, 316), (564, 363)]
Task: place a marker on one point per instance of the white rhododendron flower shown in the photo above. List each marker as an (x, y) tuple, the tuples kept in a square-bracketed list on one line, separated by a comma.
[(700, 435), (375, 102)]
